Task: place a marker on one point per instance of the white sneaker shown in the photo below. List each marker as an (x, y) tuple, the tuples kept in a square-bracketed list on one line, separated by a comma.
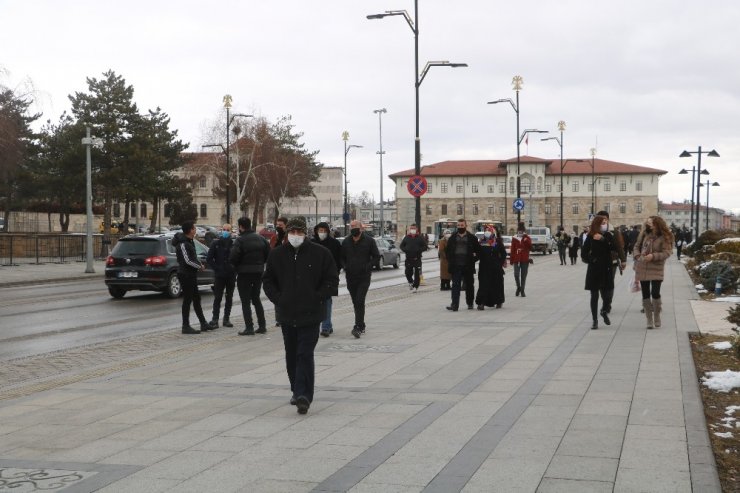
[(416, 290), (411, 286)]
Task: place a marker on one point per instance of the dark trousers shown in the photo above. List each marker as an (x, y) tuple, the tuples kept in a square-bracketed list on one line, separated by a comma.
[(460, 274), (609, 292), (221, 284), (358, 290), (300, 343), (520, 274), (249, 286), (678, 252), (561, 254), (650, 289), (190, 295), (595, 302), (413, 272)]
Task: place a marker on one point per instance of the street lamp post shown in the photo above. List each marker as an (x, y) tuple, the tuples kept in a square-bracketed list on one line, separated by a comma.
[(88, 142), (561, 127), (345, 215), (706, 215), (380, 153), (693, 175), (593, 180), (698, 152), (414, 25)]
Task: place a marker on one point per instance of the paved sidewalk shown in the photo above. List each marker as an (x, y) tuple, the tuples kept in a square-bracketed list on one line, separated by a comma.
[(525, 398)]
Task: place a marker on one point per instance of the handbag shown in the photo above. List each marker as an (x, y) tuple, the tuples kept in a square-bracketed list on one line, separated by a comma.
[(634, 285)]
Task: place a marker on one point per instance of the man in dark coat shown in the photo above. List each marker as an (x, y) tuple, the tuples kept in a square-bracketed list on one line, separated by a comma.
[(322, 237), (413, 245), (187, 272), (358, 255), (462, 254), (300, 276), (618, 263), (248, 256), (218, 259)]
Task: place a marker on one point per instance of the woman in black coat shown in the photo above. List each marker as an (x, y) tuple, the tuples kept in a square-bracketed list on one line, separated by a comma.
[(596, 252), (491, 270), (575, 244)]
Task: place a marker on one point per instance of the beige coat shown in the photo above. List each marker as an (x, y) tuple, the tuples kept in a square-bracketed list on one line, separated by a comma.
[(661, 250), (444, 273)]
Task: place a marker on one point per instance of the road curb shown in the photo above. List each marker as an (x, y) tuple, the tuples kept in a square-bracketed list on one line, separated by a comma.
[(52, 280)]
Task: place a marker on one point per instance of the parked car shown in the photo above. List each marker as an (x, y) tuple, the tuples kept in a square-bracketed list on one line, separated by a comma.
[(149, 263), (507, 245), (389, 254), (116, 228), (541, 240)]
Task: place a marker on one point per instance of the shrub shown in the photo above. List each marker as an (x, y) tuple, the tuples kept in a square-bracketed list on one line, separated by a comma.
[(709, 237), (733, 258), (709, 272), (734, 318), (731, 245)]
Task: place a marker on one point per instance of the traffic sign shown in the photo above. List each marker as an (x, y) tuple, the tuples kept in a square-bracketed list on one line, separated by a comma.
[(417, 185), (518, 204), (346, 216)]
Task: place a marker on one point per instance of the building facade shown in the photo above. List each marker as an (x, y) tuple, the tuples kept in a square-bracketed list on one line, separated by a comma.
[(486, 189), (679, 214), (371, 215), (326, 204)]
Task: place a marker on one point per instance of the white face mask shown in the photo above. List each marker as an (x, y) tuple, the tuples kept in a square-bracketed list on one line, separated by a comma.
[(604, 228), (322, 236), (412, 231), (295, 240), (487, 234), (447, 235)]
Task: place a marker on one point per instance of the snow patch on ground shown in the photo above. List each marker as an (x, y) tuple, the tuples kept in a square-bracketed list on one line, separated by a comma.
[(721, 345), (727, 434), (728, 299), (702, 291), (721, 381), (729, 240)]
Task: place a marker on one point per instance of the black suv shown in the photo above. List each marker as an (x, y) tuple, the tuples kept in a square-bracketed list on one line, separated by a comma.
[(149, 263)]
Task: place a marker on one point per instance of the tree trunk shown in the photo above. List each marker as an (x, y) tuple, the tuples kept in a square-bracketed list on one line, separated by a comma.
[(255, 211), (64, 221), (48, 220), (155, 214)]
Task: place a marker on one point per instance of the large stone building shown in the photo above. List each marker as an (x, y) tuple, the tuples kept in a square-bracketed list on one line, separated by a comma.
[(326, 204), (486, 189), (679, 214)]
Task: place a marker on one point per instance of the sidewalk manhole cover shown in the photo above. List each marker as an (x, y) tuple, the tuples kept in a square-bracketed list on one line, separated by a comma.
[(363, 348)]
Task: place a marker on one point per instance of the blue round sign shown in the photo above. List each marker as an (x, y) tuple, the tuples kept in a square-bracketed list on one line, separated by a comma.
[(518, 204), (346, 216)]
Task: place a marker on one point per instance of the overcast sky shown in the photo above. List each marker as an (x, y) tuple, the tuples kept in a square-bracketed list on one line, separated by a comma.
[(644, 79)]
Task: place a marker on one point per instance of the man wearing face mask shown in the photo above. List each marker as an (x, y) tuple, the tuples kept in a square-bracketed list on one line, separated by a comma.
[(218, 259), (358, 255), (521, 245), (619, 261), (300, 277), (462, 252), (280, 237), (413, 245), (322, 237), (248, 256)]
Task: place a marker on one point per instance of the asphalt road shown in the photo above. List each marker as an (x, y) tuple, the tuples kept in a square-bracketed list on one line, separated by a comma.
[(43, 318)]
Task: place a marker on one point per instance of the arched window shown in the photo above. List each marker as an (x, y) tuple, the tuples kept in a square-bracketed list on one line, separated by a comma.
[(203, 210), (203, 182), (143, 211)]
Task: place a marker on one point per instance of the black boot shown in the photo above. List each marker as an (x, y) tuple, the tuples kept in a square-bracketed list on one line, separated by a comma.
[(227, 322), (213, 324), (248, 331), (187, 329), (205, 326)]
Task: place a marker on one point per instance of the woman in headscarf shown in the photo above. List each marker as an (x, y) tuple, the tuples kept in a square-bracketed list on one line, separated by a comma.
[(491, 270), (444, 273), (597, 254), (653, 246)]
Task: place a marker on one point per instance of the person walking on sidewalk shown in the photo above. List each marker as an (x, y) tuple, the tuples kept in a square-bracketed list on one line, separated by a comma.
[(618, 263), (248, 256), (462, 253), (491, 270), (413, 245), (300, 277), (444, 272), (187, 272), (225, 275), (597, 254), (280, 238), (322, 237), (562, 239), (358, 255), (653, 247), (521, 245), (573, 246)]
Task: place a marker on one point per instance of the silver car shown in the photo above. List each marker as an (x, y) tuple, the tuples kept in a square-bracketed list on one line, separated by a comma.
[(389, 254)]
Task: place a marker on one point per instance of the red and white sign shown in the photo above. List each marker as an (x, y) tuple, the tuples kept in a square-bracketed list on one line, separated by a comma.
[(417, 185)]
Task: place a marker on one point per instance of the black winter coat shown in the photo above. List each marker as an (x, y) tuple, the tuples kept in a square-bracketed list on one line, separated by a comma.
[(249, 253), (491, 274), (471, 257), (218, 257), (358, 257), (334, 247), (187, 258), (598, 255), (299, 281), (413, 247)]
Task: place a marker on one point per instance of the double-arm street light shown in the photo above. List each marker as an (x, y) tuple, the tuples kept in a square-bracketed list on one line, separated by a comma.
[(516, 82), (561, 127), (414, 25), (88, 142), (345, 216), (380, 153), (706, 215), (693, 176), (699, 152)]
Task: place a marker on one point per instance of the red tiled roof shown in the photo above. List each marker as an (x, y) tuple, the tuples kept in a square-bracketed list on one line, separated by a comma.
[(496, 167)]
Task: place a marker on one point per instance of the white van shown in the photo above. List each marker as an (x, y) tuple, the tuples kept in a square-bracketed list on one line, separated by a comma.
[(541, 239)]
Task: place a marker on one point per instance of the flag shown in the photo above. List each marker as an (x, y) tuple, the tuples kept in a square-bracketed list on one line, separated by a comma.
[(526, 139)]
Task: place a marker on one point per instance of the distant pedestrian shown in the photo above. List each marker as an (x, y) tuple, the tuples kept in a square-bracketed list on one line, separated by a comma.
[(491, 270), (248, 256), (462, 252), (187, 272), (280, 238), (573, 246), (653, 247), (413, 245), (632, 235), (618, 263), (562, 239), (300, 277), (444, 272), (521, 245), (358, 255), (225, 275), (597, 254), (326, 240), (680, 243)]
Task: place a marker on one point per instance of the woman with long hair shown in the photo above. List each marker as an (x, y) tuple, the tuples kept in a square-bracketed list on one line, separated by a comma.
[(653, 247), (491, 270), (596, 252)]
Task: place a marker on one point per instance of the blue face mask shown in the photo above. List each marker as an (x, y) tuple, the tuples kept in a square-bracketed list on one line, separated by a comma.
[(225, 234)]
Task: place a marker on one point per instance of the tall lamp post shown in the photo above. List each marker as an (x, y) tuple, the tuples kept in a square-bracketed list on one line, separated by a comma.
[(698, 152), (414, 25), (693, 175), (345, 216), (706, 215), (561, 127), (593, 180), (380, 153), (88, 142)]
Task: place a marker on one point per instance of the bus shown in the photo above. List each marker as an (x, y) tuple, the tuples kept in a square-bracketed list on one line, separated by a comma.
[(479, 226), (441, 224)]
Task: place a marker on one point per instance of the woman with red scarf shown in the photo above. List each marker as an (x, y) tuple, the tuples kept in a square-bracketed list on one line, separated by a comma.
[(491, 270)]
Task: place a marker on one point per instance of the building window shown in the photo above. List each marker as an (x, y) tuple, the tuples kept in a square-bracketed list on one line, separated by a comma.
[(458, 189), (490, 189), (525, 186), (502, 210), (638, 186), (623, 208), (475, 209), (638, 207), (443, 210), (429, 210), (132, 208), (548, 187), (608, 207), (502, 188), (557, 209), (491, 209), (575, 186), (142, 209), (429, 188), (444, 188), (623, 186), (558, 188), (167, 210), (548, 209), (591, 187), (607, 186), (460, 210), (575, 208), (116, 210), (203, 210), (474, 188), (512, 186), (203, 182)]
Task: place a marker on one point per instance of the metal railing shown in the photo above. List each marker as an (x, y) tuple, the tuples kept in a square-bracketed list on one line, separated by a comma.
[(46, 248)]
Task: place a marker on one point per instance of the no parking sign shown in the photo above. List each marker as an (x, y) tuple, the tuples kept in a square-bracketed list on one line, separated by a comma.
[(417, 185)]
